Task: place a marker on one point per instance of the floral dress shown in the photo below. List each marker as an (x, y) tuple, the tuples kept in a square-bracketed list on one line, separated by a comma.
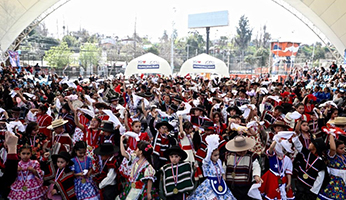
[(27, 185), (136, 187), (336, 189), (210, 188), (84, 188)]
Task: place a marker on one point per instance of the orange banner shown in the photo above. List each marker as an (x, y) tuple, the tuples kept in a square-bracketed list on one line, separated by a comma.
[(284, 49)]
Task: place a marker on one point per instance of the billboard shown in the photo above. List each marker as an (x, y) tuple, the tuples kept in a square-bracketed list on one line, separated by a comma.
[(210, 19)]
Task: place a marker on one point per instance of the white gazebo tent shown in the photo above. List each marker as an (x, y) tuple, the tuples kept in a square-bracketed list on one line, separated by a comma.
[(205, 64), (148, 64)]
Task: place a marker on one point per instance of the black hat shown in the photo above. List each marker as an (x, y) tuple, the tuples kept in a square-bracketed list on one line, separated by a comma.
[(101, 105), (173, 107), (108, 127), (175, 150), (66, 107), (15, 110), (66, 156), (255, 83), (208, 125), (177, 98), (235, 108), (164, 123), (319, 145), (145, 94), (199, 107), (106, 149)]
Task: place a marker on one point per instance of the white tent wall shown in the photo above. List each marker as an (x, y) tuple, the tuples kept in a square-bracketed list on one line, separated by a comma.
[(16, 15), (148, 64), (204, 63)]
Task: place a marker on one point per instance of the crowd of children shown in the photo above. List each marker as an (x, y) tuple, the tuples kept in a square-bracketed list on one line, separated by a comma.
[(169, 138)]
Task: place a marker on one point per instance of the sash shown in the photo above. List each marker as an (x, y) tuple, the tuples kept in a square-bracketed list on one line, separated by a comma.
[(218, 188)]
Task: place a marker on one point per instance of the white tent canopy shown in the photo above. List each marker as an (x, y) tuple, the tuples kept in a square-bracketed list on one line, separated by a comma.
[(204, 63), (148, 64), (328, 16), (16, 15)]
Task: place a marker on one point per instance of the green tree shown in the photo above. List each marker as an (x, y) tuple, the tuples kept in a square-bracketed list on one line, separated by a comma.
[(90, 54), (59, 56), (262, 55), (244, 33), (71, 41), (153, 50)]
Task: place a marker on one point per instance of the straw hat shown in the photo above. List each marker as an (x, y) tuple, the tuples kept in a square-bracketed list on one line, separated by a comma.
[(340, 121), (57, 123), (240, 143)]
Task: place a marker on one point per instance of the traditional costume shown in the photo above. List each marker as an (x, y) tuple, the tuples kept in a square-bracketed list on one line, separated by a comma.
[(60, 179), (59, 142), (27, 185), (241, 170), (136, 187), (214, 187), (310, 169), (84, 187), (106, 179), (177, 179), (43, 122)]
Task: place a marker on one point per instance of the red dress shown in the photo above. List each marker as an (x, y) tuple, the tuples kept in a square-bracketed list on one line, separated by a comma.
[(92, 137), (44, 121)]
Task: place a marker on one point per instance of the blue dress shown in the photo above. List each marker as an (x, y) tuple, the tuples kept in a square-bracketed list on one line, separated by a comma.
[(87, 190), (210, 188), (336, 189)]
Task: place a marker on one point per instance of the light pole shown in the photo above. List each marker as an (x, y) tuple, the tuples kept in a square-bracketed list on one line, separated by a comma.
[(188, 51), (172, 42)]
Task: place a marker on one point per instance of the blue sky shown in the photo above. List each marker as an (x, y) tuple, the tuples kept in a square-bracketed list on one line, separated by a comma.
[(117, 18)]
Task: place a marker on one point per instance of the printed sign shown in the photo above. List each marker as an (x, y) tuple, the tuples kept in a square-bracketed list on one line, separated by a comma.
[(206, 65), (142, 64)]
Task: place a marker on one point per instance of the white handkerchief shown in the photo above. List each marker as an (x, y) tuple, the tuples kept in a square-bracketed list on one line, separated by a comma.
[(254, 191), (295, 115)]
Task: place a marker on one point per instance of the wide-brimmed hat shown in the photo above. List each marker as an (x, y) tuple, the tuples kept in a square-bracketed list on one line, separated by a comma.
[(164, 123), (173, 107), (279, 123), (145, 94), (106, 149), (177, 98), (108, 126), (240, 143), (199, 107), (177, 150), (101, 105), (340, 121), (208, 125), (57, 123), (66, 156)]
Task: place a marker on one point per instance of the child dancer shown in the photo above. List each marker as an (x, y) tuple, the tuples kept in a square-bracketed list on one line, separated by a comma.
[(106, 179), (336, 189), (29, 183), (214, 187), (82, 167), (124, 168), (61, 178), (177, 176), (310, 169), (142, 174), (277, 181)]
